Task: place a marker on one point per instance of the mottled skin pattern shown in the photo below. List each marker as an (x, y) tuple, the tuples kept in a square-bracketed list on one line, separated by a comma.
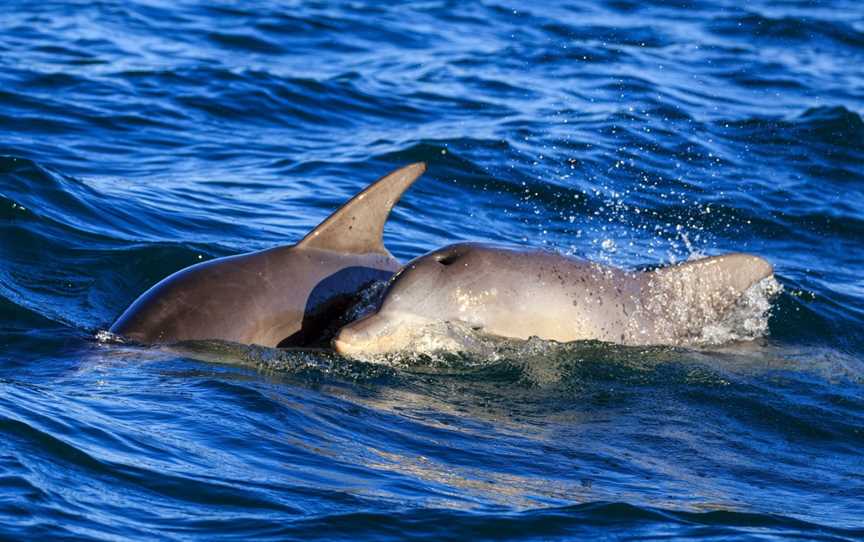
[(519, 293), (284, 296)]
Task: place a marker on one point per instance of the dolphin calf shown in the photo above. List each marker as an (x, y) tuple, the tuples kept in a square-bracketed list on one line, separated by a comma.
[(519, 293), (284, 296)]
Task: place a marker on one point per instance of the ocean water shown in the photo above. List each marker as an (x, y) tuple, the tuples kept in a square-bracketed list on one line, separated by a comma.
[(139, 137)]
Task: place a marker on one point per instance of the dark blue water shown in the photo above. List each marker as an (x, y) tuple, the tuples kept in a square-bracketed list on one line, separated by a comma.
[(137, 138)]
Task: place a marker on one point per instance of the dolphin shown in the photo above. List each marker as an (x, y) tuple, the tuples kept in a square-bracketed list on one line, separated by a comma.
[(439, 298), (284, 296)]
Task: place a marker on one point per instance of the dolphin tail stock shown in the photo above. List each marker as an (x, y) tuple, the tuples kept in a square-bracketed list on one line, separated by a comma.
[(694, 293), (357, 227)]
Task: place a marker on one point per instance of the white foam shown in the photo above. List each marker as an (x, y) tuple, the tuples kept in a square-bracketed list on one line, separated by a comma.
[(106, 337), (747, 320)]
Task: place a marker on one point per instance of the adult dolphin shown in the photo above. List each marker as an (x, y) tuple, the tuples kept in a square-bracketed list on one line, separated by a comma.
[(516, 293), (283, 296)]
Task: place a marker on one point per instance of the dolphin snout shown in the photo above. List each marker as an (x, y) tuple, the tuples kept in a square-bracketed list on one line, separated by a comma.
[(345, 341), (358, 337), (377, 334)]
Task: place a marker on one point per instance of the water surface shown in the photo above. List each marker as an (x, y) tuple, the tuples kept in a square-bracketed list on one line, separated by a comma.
[(139, 137)]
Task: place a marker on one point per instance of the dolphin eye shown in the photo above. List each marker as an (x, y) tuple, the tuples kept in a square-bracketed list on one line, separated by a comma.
[(447, 259)]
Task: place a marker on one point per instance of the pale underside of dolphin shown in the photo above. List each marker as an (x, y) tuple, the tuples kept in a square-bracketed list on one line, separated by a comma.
[(284, 296), (518, 293)]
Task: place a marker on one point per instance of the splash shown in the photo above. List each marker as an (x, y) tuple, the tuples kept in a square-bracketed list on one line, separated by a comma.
[(748, 319), (104, 336)]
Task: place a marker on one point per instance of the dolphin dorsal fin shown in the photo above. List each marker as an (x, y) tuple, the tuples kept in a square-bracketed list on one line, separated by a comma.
[(699, 291), (681, 300), (357, 227), (729, 273)]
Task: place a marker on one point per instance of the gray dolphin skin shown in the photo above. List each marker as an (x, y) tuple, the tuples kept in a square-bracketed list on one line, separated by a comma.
[(284, 296), (518, 293)]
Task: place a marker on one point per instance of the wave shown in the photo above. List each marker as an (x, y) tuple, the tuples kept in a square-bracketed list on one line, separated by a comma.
[(788, 29), (583, 520), (826, 125), (59, 201)]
